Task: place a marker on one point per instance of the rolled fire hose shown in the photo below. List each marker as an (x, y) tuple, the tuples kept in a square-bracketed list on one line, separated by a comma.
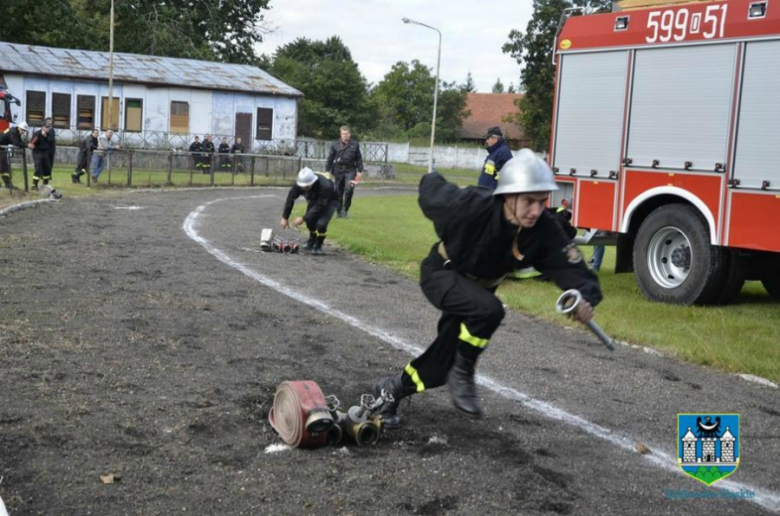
[(567, 304), (300, 414)]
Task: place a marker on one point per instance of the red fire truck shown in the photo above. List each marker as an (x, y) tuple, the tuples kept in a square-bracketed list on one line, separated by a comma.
[(666, 131), (6, 99)]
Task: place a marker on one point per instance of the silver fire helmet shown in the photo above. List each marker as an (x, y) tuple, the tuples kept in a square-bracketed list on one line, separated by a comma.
[(306, 177), (525, 172)]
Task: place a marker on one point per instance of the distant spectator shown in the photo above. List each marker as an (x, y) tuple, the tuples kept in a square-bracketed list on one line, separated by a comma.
[(208, 152), (238, 148), (88, 146), (12, 137), (195, 148), (498, 155), (40, 144), (224, 150), (48, 122), (104, 148)]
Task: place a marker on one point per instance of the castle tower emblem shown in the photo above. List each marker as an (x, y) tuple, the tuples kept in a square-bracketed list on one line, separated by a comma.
[(708, 445)]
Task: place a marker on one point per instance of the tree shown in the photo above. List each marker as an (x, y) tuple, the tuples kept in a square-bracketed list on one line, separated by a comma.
[(511, 88), (468, 86), (534, 50), (335, 92), (199, 29), (405, 100), (498, 87)]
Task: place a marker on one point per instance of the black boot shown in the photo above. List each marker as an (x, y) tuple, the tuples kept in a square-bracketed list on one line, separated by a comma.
[(462, 388), (7, 182), (75, 178), (395, 386), (310, 242), (35, 184), (317, 249)]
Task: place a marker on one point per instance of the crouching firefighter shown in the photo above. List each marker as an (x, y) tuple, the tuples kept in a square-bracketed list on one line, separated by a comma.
[(321, 199), (10, 137), (484, 236)]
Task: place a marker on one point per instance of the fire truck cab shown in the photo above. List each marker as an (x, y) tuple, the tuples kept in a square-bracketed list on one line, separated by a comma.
[(6, 99), (666, 131)]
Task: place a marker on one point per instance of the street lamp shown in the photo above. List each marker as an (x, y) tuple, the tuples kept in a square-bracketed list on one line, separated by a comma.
[(436, 88)]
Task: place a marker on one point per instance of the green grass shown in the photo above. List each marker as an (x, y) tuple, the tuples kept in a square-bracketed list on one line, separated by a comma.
[(739, 338)]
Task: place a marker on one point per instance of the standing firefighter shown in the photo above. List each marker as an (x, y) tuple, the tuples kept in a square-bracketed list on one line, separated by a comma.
[(346, 164), (41, 145), (321, 201), (498, 155), (485, 235), (13, 137), (88, 146)]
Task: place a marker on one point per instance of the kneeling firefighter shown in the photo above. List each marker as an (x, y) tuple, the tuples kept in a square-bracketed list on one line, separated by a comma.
[(321, 199), (484, 236)]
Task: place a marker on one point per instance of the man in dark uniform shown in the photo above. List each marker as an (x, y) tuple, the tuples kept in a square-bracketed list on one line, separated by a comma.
[(485, 235), (13, 137), (224, 159), (238, 148), (88, 146), (49, 123), (498, 155), (208, 152), (195, 148), (321, 200), (346, 164), (40, 144)]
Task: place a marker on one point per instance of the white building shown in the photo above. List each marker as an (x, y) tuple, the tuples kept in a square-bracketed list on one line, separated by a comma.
[(162, 101)]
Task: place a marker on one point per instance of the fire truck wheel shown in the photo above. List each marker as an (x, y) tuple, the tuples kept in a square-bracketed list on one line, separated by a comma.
[(771, 282), (733, 279), (673, 259)]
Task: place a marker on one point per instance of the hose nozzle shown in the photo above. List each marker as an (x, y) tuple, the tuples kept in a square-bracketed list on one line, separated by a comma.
[(567, 304)]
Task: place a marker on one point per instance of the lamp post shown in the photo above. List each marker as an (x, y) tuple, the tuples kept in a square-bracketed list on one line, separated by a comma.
[(111, 68), (436, 88)]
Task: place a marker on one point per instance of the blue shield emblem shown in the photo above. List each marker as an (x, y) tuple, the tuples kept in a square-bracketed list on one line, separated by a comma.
[(708, 445)]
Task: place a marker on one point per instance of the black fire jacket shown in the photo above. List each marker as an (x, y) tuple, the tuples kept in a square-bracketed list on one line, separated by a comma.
[(11, 136), (479, 241), (318, 198), (344, 157)]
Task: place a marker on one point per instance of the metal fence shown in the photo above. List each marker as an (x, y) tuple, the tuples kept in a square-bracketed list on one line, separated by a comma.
[(154, 168)]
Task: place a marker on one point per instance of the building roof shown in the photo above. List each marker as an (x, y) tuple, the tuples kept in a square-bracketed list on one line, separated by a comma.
[(134, 68), (487, 110), (689, 435)]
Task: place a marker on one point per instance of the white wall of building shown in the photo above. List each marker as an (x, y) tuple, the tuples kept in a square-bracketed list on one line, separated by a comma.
[(211, 112)]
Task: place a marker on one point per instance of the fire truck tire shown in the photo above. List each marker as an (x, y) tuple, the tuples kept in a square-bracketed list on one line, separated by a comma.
[(673, 259), (733, 279), (771, 283)]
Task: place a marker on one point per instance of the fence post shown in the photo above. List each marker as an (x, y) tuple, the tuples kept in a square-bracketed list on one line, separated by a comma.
[(89, 169), (170, 168), (130, 168), (24, 172), (213, 162), (233, 172), (252, 175)]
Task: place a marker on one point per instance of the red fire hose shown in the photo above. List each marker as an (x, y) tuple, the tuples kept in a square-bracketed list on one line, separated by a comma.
[(300, 414)]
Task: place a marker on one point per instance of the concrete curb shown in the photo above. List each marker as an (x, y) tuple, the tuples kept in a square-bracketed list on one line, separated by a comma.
[(24, 206)]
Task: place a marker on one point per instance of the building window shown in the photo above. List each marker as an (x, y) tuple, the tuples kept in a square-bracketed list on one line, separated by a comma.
[(265, 124), (36, 105), (180, 117), (133, 114), (60, 108), (85, 108), (114, 114)]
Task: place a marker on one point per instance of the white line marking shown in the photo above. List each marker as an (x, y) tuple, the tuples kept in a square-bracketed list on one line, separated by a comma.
[(764, 498)]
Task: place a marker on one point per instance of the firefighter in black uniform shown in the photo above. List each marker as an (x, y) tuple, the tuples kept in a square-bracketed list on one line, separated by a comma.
[(346, 164), (49, 123), (321, 200), (195, 148), (88, 146), (224, 159), (208, 151), (485, 235), (238, 148), (41, 146), (13, 137)]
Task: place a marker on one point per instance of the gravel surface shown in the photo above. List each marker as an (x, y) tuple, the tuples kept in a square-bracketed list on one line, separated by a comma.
[(143, 336)]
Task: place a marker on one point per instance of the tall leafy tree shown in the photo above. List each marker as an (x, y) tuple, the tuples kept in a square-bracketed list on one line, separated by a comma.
[(335, 92), (199, 29), (498, 87), (533, 50)]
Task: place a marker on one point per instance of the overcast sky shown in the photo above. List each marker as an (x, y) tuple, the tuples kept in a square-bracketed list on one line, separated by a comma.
[(472, 34)]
